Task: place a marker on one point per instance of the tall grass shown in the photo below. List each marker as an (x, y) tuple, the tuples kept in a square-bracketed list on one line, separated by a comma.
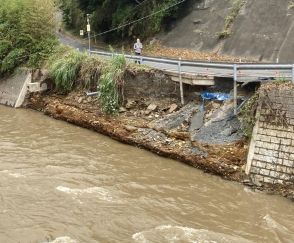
[(111, 85), (91, 71), (65, 71), (69, 68)]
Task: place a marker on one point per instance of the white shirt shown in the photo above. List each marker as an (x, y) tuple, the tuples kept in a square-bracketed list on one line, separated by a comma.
[(138, 47)]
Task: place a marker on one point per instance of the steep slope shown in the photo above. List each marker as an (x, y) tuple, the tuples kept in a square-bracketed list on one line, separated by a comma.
[(262, 29)]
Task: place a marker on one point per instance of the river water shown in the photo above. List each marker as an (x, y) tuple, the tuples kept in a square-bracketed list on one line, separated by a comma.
[(60, 183)]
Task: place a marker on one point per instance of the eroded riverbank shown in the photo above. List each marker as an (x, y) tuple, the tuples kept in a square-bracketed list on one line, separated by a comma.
[(216, 148), (62, 182), (136, 126)]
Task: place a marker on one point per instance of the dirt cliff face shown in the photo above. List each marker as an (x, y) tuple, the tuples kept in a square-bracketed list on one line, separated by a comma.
[(262, 29)]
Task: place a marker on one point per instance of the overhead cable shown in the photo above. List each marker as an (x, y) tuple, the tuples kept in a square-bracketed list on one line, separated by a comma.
[(137, 20)]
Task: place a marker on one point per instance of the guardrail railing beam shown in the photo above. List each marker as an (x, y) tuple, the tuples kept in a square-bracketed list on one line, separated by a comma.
[(181, 81), (235, 88), (293, 74), (250, 71)]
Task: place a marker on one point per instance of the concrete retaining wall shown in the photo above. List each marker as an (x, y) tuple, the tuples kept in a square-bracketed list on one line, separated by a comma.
[(263, 30), (271, 153), (11, 87)]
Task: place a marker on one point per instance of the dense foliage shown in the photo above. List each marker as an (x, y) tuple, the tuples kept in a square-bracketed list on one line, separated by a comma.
[(64, 70), (71, 69), (108, 14), (26, 33)]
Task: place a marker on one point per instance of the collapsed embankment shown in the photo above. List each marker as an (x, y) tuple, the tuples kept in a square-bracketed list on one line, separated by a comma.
[(162, 131), (152, 118), (146, 112)]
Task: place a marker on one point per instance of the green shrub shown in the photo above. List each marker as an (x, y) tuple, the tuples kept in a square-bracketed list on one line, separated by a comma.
[(41, 51), (13, 59), (26, 33), (5, 47), (111, 85), (91, 71), (65, 70)]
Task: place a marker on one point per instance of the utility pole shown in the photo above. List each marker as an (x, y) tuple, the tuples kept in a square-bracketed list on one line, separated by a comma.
[(89, 31)]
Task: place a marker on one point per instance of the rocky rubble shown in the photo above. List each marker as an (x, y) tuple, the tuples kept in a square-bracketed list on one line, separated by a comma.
[(160, 125)]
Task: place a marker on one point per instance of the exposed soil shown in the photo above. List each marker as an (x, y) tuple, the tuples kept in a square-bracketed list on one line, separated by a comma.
[(135, 126), (162, 126)]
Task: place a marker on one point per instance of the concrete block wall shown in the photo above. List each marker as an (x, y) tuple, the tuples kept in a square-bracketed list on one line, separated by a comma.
[(271, 152)]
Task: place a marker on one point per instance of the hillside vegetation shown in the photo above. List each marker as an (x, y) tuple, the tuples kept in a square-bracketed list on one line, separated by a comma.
[(109, 14), (26, 33)]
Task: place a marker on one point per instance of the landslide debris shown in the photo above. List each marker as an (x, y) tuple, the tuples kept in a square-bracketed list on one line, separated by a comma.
[(163, 129)]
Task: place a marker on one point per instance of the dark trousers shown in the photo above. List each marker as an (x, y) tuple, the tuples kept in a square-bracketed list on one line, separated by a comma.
[(137, 54)]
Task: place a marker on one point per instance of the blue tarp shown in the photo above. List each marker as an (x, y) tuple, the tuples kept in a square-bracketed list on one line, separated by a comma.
[(214, 96)]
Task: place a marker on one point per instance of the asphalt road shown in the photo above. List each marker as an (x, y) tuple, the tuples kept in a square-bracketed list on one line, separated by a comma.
[(198, 68)]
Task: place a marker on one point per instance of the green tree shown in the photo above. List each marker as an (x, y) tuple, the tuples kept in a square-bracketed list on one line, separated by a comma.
[(26, 32), (108, 14)]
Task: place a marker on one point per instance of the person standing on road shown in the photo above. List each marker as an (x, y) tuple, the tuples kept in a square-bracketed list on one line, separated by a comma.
[(138, 49)]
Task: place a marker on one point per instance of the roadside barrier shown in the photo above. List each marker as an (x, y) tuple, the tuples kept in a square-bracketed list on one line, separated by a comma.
[(258, 72)]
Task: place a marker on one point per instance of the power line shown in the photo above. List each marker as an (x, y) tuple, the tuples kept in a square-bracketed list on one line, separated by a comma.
[(139, 3), (137, 20), (134, 8)]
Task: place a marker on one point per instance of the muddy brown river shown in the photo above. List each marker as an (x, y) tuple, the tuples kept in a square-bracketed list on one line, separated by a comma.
[(64, 184)]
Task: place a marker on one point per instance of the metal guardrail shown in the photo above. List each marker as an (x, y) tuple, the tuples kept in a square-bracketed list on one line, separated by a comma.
[(236, 71)]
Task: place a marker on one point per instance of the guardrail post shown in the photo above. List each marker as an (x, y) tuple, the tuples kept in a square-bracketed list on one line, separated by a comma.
[(235, 89), (293, 74), (181, 81)]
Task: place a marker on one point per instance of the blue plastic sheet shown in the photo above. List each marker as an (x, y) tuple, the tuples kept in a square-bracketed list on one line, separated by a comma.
[(214, 96)]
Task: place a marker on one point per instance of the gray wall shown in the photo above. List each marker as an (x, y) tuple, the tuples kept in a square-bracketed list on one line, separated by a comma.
[(11, 86), (264, 30), (271, 153)]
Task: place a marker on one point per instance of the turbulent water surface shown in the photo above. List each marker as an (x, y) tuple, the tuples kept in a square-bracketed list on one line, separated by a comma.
[(60, 183)]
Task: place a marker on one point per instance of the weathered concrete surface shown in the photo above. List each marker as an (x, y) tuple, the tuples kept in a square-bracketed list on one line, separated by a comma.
[(11, 87), (264, 29), (271, 154)]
